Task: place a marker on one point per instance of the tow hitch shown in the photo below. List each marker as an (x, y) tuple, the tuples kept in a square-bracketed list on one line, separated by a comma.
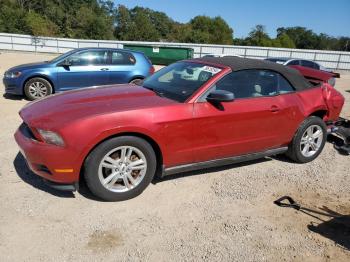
[(341, 129)]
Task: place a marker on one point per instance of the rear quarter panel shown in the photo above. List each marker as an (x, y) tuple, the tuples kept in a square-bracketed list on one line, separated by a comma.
[(297, 106), (311, 100), (142, 66), (334, 101)]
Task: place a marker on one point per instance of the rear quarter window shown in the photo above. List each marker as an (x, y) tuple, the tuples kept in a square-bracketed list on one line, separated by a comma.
[(294, 62), (122, 58), (309, 64), (284, 86)]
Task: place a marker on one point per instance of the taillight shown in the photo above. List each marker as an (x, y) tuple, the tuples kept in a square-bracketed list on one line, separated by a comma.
[(152, 70)]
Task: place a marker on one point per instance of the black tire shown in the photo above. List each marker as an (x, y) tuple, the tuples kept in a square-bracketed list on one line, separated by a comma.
[(92, 163), (294, 149), (136, 81), (45, 88)]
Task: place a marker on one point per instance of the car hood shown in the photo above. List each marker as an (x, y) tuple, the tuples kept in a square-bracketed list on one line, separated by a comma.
[(28, 66), (60, 109)]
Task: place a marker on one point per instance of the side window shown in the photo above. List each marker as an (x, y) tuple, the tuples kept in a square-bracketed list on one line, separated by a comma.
[(307, 63), (250, 83), (294, 62), (284, 86), (122, 58), (88, 58)]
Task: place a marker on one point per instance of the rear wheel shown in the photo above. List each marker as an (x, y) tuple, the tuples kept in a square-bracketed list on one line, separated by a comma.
[(36, 88), (308, 141), (120, 168)]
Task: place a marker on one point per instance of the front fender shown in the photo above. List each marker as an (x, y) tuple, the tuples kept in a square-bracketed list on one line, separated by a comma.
[(46, 74), (84, 142)]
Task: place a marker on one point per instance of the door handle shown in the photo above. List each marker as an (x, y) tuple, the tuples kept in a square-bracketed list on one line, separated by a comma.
[(274, 109), (104, 69)]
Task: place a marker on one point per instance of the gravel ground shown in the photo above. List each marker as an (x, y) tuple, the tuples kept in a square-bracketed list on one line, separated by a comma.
[(220, 214)]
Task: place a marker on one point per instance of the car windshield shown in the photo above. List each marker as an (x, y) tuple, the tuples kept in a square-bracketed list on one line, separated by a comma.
[(180, 80), (58, 58)]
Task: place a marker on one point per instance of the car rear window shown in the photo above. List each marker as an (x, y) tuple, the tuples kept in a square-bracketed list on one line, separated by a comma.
[(122, 58)]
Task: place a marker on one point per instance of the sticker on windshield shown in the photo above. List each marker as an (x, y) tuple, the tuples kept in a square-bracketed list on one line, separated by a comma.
[(213, 70)]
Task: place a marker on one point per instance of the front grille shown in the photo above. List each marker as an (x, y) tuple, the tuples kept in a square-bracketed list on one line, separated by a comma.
[(26, 131)]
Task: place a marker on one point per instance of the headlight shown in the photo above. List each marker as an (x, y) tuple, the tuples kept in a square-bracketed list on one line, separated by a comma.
[(12, 74), (51, 137)]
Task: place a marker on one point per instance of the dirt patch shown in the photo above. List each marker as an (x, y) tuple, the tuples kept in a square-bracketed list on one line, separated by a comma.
[(101, 241)]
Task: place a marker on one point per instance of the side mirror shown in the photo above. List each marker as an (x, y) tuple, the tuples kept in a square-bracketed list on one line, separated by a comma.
[(218, 96), (65, 63)]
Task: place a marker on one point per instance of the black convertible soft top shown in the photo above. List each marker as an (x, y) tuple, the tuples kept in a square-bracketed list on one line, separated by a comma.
[(239, 63)]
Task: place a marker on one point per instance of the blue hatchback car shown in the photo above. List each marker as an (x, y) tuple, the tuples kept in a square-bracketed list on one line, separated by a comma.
[(78, 68)]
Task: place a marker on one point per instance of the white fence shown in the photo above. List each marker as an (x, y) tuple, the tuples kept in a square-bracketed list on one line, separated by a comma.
[(330, 59)]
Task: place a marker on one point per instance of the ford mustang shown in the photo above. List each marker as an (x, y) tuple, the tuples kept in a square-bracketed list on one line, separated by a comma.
[(119, 137)]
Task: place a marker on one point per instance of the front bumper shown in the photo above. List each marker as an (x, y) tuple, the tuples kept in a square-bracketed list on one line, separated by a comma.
[(12, 86), (51, 162)]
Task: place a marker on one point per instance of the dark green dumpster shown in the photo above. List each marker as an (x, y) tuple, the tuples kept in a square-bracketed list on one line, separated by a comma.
[(163, 55)]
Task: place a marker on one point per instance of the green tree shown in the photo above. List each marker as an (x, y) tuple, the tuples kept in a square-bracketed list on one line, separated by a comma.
[(124, 23), (302, 37), (143, 28), (39, 25), (135, 24), (12, 18), (210, 30), (259, 37), (92, 26), (180, 33), (283, 40), (343, 44)]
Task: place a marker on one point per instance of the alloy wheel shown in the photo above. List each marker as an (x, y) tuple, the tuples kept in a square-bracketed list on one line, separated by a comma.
[(38, 90), (122, 169), (311, 140)]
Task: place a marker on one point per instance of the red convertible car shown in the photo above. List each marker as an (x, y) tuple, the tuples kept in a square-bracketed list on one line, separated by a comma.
[(190, 115)]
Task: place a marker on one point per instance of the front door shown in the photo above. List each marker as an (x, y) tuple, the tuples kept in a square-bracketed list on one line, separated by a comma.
[(251, 123), (87, 68)]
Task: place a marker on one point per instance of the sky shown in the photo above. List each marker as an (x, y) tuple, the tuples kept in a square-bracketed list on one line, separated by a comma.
[(322, 16)]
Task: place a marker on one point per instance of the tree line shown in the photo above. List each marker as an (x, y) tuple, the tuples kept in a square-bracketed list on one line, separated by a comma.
[(102, 19)]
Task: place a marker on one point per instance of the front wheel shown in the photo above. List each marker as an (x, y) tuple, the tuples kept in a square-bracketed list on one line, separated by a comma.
[(120, 168), (36, 88), (308, 141)]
